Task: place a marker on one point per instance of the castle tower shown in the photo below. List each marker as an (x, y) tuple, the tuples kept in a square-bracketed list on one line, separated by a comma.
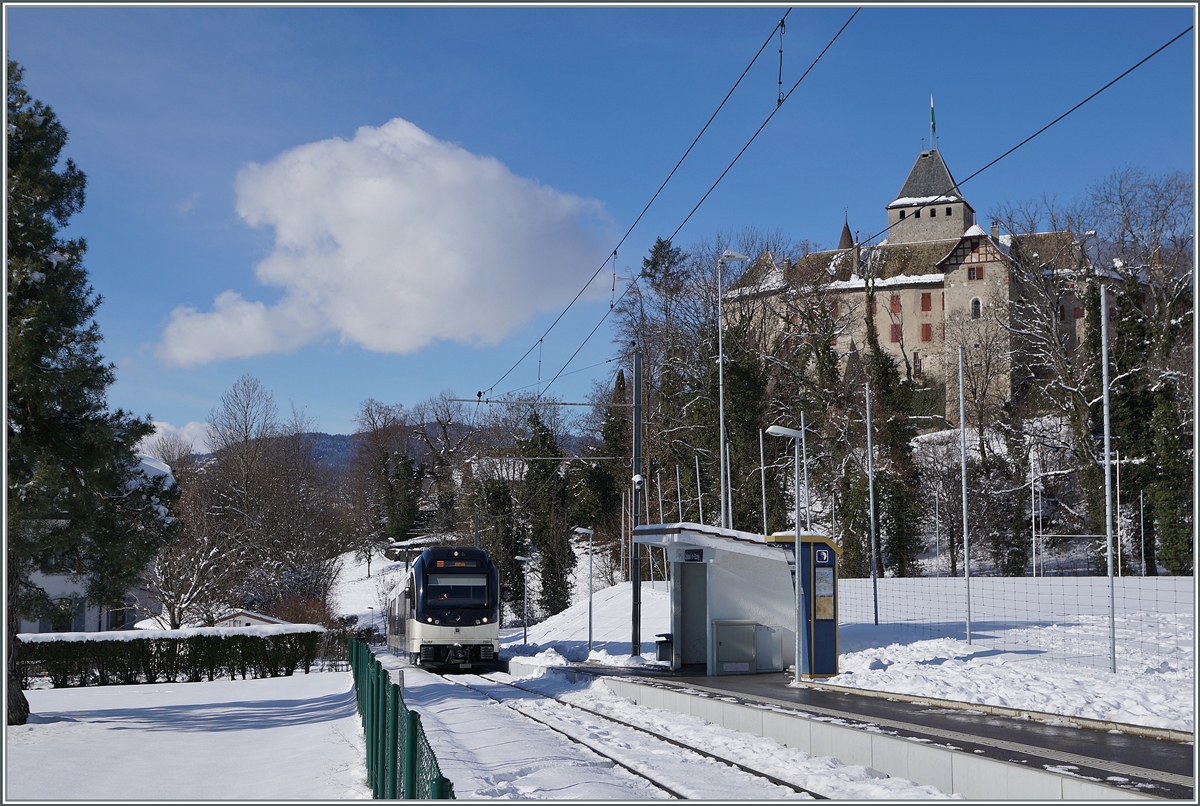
[(929, 207)]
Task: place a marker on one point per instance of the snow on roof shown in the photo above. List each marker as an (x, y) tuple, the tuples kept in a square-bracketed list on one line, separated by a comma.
[(974, 231), (251, 614), (909, 201), (855, 282), (137, 635)]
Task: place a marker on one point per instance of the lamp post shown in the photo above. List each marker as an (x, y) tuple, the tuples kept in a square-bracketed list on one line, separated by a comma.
[(727, 255), (580, 530), (525, 561), (802, 651), (371, 623)]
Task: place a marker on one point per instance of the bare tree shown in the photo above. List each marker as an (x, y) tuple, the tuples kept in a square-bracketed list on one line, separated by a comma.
[(986, 367)]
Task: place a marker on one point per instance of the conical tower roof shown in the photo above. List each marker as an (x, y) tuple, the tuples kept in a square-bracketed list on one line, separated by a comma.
[(847, 240), (929, 177)]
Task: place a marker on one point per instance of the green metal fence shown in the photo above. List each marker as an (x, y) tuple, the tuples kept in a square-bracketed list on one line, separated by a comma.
[(400, 762)]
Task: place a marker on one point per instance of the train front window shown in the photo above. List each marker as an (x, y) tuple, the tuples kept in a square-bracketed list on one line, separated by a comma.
[(456, 590)]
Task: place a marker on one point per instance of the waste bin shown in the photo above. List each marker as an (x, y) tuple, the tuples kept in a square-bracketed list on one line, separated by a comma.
[(663, 646)]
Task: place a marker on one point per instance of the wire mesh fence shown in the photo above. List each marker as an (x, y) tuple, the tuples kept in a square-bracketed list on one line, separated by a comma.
[(400, 762), (1062, 617)]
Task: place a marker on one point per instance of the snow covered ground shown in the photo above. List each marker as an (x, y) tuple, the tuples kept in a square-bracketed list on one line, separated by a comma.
[(1149, 688), (299, 737), (283, 738)]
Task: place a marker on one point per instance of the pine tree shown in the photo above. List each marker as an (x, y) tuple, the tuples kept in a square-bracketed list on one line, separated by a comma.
[(77, 503), (547, 508)]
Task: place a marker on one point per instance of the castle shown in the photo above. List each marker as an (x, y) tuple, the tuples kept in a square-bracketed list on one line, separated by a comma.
[(939, 281)]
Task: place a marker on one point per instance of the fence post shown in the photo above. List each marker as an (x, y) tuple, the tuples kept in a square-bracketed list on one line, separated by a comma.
[(393, 724), (441, 789), (381, 683), (412, 728), (371, 731)]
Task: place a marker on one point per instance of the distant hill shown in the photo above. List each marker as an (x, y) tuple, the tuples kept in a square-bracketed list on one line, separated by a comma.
[(332, 451)]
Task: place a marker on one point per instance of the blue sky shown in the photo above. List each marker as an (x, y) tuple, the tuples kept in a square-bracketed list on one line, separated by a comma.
[(354, 203)]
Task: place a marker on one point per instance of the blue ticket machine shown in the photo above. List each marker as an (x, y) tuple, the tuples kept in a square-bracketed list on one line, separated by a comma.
[(818, 568)]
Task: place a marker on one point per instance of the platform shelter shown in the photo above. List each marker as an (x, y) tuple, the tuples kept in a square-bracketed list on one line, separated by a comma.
[(733, 597)]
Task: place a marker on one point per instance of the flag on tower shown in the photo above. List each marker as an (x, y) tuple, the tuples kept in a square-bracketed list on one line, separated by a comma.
[(932, 122)]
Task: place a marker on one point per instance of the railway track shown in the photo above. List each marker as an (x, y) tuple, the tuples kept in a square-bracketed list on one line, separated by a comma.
[(596, 743)]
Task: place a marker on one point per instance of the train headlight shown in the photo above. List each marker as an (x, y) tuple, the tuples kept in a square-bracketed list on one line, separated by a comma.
[(477, 621), (429, 619), (484, 619)]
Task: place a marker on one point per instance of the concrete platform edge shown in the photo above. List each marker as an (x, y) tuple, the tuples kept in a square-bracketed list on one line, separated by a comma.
[(999, 710), (951, 771)]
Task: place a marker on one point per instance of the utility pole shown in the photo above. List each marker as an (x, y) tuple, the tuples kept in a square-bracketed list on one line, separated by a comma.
[(635, 641)]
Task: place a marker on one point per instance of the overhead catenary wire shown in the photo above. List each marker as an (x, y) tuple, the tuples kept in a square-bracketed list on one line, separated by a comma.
[(889, 227), (592, 279), (1042, 130), (723, 173)]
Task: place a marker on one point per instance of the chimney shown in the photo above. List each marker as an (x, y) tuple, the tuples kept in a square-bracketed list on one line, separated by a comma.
[(995, 231)]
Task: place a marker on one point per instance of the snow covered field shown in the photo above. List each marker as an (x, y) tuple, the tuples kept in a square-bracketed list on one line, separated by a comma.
[(300, 738), (283, 738), (1150, 688)]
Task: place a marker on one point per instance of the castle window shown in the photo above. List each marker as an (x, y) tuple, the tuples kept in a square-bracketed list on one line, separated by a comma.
[(926, 332), (902, 214), (917, 363), (975, 272), (927, 301), (976, 308), (948, 211), (895, 303), (917, 214), (895, 334), (933, 212)]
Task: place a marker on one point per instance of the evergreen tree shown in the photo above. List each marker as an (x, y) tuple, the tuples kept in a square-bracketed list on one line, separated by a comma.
[(77, 504), (547, 507)]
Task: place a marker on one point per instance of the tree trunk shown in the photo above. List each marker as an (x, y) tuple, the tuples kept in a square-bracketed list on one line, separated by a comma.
[(18, 706)]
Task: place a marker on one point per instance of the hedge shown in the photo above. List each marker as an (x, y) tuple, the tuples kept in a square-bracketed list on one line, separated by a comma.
[(151, 656)]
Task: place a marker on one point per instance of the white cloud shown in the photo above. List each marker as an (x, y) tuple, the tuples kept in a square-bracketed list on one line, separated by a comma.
[(390, 241), (194, 432)]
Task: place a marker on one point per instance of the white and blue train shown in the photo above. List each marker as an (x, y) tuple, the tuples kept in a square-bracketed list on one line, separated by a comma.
[(447, 613)]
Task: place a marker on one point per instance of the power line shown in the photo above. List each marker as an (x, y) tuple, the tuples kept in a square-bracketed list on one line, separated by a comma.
[(778, 105), (647, 207), (1172, 41), (963, 182)]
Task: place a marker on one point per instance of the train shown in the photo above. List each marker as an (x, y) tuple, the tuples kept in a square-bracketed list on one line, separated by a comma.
[(446, 615)]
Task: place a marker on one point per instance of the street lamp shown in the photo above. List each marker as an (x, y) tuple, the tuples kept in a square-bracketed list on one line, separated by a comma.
[(525, 609), (727, 255), (580, 530), (801, 632)]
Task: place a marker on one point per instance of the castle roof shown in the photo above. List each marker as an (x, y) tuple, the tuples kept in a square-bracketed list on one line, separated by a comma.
[(928, 181)]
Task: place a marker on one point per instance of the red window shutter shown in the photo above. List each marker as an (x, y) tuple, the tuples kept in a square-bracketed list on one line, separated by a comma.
[(927, 301), (926, 332), (895, 302), (1079, 313), (979, 272), (895, 333)]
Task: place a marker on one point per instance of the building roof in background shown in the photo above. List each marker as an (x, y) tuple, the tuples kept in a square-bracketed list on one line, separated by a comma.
[(929, 180)]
